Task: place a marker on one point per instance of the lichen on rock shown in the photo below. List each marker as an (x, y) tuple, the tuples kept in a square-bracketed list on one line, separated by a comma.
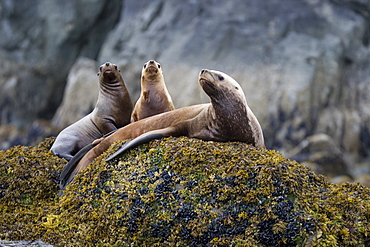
[(183, 192)]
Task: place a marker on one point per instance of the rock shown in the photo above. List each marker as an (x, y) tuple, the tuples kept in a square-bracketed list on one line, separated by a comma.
[(304, 65), (40, 42), (179, 191), (303, 73), (80, 95), (323, 154), (35, 133), (363, 179), (341, 179), (8, 133), (37, 243)]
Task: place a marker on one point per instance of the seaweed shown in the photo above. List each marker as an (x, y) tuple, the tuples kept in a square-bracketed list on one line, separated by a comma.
[(179, 192)]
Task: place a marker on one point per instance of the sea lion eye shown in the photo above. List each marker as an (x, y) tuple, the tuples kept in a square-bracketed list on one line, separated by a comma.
[(159, 66), (115, 66), (144, 66), (220, 77), (100, 68)]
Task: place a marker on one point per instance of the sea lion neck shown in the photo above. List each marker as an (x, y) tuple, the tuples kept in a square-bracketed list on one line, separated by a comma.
[(154, 80), (108, 83), (227, 110), (231, 120)]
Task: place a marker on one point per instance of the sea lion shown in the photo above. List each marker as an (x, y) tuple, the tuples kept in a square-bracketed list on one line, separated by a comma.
[(154, 97), (112, 111), (226, 118)]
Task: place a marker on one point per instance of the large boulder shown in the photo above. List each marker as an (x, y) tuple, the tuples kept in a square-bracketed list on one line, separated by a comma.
[(80, 95), (303, 64), (179, 192)]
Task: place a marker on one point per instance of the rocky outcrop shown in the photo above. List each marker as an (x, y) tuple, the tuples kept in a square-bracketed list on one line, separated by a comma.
[(304, 65), (179, 191), (40, 42)]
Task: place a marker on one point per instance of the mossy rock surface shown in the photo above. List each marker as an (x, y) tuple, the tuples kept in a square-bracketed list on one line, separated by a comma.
[(179, 192)]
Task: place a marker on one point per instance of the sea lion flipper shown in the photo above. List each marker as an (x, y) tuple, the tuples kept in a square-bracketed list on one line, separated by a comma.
[(71, 165), (109, 133), (134, 143)]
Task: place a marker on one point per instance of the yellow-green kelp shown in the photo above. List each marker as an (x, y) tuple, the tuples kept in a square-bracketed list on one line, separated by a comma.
[(179, 192)]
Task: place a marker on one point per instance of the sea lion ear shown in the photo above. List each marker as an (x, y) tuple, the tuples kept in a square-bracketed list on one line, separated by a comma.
[(119, 70), (98, 74)]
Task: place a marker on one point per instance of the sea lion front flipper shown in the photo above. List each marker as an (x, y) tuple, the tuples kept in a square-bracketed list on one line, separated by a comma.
[(71, 165), (134, 143), (97, 141)]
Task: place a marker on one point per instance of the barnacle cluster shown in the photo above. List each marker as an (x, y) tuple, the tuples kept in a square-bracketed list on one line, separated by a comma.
[(183, 192)]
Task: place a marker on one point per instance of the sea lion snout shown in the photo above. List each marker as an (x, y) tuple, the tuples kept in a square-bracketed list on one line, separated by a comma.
[(205, 74), (152, 67), (206, 81), (109, 72)]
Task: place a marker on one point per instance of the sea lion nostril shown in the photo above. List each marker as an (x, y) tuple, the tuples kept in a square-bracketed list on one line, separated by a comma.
[(151, 61), (107, 64)]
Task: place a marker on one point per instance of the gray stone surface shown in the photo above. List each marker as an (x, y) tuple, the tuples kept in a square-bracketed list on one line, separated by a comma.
[(323, 155), (80, 95), (39, 243), (40, 41), (304, 65)]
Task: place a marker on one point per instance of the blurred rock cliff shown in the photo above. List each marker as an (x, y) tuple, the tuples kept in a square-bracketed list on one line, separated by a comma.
[(304, 65)]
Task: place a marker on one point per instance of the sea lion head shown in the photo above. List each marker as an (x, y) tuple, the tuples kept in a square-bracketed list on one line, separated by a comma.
[(151, 70), (232, 116), (108, 72), (221, 87)]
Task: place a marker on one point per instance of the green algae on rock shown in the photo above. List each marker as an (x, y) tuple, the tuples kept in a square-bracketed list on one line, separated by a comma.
[(188, 192)]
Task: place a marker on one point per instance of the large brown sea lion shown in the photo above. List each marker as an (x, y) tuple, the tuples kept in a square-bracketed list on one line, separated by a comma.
[(154, 97), (226, 118), (112, 111)]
